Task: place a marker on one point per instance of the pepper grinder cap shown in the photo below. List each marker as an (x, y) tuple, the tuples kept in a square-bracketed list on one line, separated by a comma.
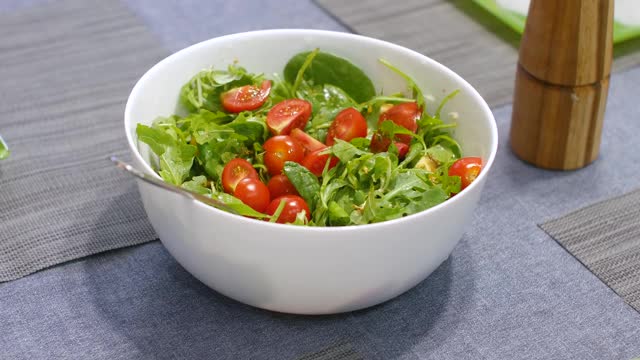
[(568, 42)]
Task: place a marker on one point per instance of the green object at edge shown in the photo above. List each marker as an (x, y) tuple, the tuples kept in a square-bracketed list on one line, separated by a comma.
[(4, 149), (516, 21)]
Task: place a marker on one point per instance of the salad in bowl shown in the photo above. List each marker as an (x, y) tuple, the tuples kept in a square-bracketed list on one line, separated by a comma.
[(315, 145)]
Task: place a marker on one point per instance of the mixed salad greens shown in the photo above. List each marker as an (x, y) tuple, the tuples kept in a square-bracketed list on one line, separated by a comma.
[(317, 146)]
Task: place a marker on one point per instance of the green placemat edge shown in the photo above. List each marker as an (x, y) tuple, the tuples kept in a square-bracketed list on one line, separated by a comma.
[(517, 21)]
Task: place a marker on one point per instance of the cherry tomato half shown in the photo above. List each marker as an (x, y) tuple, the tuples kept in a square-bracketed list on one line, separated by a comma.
[(293, 204), (403, 149), (347, 125), (280, 185), (309, 143), (405, 115), (288, 115), (253, 193), (316, 161), (467, 168), (244, 98), (236, 170), (279, 149), (379, 142)]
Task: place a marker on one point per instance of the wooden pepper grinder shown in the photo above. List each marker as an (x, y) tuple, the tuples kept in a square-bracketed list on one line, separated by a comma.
[(562, 82)]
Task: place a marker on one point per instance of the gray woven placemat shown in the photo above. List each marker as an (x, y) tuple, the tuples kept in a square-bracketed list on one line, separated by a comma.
[(457, 33), (342, 351), (605, 237), (67, 68)]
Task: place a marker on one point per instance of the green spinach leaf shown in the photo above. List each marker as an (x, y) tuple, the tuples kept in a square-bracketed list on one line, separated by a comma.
[(304, 181), (330, 69)]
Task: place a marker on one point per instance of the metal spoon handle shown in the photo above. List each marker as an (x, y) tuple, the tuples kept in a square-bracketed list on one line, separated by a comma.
[(175, 189)]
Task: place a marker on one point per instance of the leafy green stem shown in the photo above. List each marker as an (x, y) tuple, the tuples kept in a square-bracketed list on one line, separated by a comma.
[(445, 101), (305, 65)]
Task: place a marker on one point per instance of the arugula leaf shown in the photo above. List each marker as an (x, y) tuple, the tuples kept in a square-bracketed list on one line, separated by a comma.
[(450, 143), (337, 198), (445, 101), (176, 158), (345, 151), (441, 154), (204, 132), (337, 215), (238, 206), (327, 101), (415, 89), (410, 192), (175, 163), (426, 199), (206, 126), (391, 129), (157, 140), (4, 149), (204, 89), (197, 184), (301, 219), (171, 126), (280, 90), (215, 154), (405, 183), (415, 151), (252, 127), (304, 181), (330, 69), (434, 131), (449, 184)]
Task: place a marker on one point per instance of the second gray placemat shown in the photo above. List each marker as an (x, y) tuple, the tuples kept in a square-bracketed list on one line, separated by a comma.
[(456, 33), (605, 237), (342, 351), (67, 68)]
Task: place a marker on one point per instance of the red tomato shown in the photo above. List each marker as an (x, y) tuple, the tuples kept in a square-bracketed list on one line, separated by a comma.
[(279, 149), (236, 170), (293, 204), (347, 125), (309, 143), (280, 185), (403, 149), (288, 115), (467, 168), (316, 161), (244, 98), (379, 142), (405, 115), (253, 193)]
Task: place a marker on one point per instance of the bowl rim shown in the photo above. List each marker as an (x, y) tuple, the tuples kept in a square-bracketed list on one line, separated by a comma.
[(465, 86)]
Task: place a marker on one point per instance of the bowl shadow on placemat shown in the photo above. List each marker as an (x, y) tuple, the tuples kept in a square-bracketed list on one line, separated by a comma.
[(161, 309)]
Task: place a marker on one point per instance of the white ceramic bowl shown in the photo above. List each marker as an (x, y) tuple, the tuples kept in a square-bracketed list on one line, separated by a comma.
[(308, 270)]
